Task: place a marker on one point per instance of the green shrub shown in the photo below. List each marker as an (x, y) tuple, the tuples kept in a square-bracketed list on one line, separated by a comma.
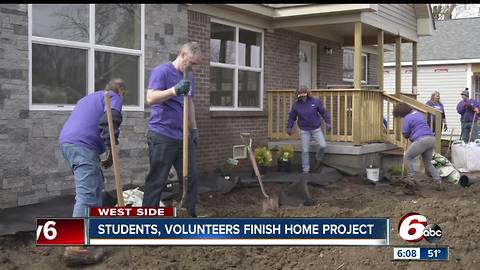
[(395, 170), (285, 152), (263, 156)]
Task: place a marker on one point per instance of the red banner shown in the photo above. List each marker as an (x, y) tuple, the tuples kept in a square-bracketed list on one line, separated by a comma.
[(132, 212), (60, 231)]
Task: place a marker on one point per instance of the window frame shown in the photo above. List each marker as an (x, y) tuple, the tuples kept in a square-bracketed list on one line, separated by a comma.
[(91, 48), (236, 68), (366, 66)]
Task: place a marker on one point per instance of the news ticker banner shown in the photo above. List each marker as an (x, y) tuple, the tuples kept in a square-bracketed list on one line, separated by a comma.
[(127, 229), (421, 253)]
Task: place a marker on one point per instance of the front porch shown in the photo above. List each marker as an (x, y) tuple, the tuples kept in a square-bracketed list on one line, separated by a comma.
[(362, 125)]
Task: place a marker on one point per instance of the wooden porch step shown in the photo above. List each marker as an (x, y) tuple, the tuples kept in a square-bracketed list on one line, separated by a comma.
[(394, 152)]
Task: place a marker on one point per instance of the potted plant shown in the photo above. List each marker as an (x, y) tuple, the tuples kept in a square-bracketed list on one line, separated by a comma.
[(263, 156), (285, 156), (226, 170)]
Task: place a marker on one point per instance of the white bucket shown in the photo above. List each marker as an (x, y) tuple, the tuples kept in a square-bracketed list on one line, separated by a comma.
[(373, 174)]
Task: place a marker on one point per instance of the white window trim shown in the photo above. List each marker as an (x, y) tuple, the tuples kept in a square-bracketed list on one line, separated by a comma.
[(366, 67), (91, 47), (236, 68)]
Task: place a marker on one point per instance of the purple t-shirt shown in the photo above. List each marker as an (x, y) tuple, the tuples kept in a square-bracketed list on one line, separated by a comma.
[(166, 118), (81, 128), (438, 106), (308, 113), (415, 126)]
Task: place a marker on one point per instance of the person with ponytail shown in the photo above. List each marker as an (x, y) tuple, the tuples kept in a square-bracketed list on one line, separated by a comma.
[(416, 129)]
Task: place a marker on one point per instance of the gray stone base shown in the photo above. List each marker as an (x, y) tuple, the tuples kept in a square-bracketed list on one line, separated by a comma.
[(338, 153)]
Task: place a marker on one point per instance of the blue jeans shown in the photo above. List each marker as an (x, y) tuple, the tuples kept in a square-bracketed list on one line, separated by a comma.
[(305, 136), (163, 153), (466, 129), (85, 165)]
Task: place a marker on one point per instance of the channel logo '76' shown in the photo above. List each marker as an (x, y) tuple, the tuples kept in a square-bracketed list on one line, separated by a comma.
[(413, 227)]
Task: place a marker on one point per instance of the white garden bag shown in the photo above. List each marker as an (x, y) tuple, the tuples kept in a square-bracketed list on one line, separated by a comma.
[(466, 157), (473, 156), (459, 155)]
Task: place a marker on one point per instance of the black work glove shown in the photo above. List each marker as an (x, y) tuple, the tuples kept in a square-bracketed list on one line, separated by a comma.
[(181, 88), (194, 136), (108, 162), (445, 127)]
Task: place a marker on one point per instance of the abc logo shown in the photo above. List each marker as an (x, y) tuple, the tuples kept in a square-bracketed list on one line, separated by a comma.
[(413, 228)]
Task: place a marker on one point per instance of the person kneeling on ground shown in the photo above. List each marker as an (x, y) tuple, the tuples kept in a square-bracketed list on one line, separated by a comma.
[(416, 129), (308, 110), (83, 138)]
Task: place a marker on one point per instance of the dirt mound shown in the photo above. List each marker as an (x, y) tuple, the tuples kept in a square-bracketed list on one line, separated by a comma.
[(454, 209)]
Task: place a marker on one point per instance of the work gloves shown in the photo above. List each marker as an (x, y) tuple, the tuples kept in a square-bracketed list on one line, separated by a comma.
[(194, 136), (181, 88), (108, 162)]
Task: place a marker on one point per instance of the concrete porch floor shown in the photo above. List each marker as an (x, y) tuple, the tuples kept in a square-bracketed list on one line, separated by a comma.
[(341, 148), (344, 154)]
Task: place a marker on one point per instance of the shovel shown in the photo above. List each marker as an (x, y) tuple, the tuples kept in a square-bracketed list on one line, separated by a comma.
[(270, 202), (185, 143), (116, 166), (471, 127)]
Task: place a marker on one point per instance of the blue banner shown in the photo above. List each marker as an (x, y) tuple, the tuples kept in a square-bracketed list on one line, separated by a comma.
[(238, 231), (435, 254)]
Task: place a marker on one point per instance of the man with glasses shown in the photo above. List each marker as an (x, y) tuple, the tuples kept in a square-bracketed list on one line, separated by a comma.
[(166, 89)]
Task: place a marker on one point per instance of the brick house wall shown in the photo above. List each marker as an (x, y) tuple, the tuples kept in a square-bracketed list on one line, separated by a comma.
[(219, 131), (32, 166), (372, 68)]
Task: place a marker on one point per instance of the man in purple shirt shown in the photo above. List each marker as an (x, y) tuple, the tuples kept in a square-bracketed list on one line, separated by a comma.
[(469, 110), (416, 129), (308, 111), (166, 89), (85, 135)]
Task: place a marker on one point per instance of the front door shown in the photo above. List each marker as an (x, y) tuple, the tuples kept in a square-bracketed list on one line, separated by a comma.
[(307, 64)]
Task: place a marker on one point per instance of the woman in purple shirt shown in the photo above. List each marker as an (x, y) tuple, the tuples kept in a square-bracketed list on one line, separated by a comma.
[(416, 129), (435, 103), (308, 111)]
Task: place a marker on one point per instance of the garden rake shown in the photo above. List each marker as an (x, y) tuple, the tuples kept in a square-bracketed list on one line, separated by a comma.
[(270, 202)]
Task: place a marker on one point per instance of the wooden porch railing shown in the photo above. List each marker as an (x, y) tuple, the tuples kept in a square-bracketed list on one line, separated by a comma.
[(356, 115)]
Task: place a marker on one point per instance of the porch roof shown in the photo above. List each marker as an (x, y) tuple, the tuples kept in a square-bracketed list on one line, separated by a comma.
[(334, 22)]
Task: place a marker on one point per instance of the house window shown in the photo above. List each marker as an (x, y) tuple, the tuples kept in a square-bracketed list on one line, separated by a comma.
[(236, 67), (348, 64), (76, 48)]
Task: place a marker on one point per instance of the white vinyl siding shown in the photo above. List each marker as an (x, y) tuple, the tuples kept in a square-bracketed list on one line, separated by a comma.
[(400, 14), (431, 78), (394, 18)]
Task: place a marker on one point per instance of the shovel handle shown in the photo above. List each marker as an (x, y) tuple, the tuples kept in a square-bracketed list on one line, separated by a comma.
[(113, 147), (185, 143), (471, 127)]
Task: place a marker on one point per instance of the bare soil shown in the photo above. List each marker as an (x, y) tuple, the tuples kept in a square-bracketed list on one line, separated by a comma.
[(455, 209)]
